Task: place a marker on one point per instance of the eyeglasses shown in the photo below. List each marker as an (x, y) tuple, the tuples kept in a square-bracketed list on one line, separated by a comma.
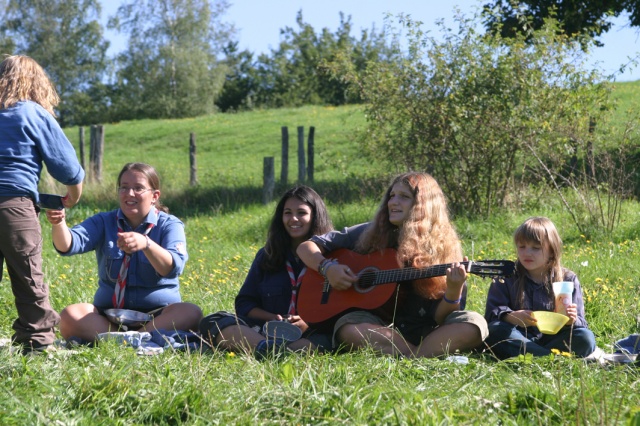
[(138, 190)]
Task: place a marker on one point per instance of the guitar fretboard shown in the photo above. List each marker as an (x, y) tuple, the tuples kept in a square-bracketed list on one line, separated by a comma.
[(404, 274)]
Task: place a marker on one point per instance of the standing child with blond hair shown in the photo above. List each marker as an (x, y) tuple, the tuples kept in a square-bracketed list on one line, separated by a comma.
[(30, 137), (511, 301)]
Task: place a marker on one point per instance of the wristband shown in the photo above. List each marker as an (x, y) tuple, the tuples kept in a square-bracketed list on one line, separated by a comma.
[(329, 265), (452, 302), (321, 266), (148, 243), (324, 266)]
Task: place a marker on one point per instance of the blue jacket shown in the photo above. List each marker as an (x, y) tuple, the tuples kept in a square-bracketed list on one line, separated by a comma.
[(146, 289), (270, 291), (29, 137), (502, 298)]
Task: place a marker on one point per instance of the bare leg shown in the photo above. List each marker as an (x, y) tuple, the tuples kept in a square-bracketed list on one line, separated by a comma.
[(177, 316), (238, 338), (449, 338), (242, 338), (302, 345), (382, 339), (84, 321)]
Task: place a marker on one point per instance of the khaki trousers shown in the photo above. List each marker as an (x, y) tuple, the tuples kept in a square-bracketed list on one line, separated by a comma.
[(21, 249)]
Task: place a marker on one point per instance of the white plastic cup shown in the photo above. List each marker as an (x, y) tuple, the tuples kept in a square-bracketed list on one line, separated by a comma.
[(563, 291)]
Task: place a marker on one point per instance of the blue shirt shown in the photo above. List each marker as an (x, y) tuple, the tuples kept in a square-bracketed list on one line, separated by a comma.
[(270, 291), (334, 240), (503, 298), (145, 289), (29, 137)]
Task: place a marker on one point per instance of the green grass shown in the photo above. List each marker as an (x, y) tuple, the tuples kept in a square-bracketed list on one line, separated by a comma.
[(626, 94), (226, 224), (627, 101), (231, 147)]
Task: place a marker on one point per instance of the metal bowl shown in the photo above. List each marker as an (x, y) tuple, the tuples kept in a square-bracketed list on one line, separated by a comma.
[(128, 317), (282, 331), (620, 358)]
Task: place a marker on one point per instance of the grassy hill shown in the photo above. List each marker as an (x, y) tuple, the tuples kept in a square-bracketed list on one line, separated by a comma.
[(231, 149)]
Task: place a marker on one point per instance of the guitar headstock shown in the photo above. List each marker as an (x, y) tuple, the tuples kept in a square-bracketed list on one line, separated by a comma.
[(493, 268)]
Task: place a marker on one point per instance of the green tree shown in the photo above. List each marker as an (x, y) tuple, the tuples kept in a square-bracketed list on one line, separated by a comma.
[(294, 74), (476, 110), (6, 43), (575, 17), (170, 67), (65, 37), (240, 82)]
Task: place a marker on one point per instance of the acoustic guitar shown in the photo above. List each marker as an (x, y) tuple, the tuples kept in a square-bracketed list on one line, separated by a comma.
[(319, 302)]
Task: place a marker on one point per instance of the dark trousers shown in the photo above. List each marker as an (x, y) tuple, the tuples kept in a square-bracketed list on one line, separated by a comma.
[(21, 249), (506, 341)]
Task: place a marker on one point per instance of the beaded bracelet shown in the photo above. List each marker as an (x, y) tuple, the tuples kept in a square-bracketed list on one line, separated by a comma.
[(329, 265), (324, 266), (453, 302), (321, 266)]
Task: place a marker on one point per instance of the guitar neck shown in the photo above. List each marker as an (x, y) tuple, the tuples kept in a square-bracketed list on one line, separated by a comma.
[(409, 274)]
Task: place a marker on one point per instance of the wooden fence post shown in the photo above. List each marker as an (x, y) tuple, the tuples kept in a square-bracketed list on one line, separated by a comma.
[(269, 179), (310, 160), (96, 152), (92, 154), (81, 137), (99, 152), (284, 172), (301, 162), (193, 167)]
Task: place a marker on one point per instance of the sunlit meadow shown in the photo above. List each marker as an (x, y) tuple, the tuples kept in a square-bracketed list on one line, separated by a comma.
[(110, 384)]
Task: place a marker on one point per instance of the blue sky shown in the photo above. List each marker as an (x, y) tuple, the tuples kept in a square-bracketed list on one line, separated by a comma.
[(259, 22)]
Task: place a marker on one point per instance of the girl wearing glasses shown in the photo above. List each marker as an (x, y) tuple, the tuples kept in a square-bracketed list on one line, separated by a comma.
[(141, 252)]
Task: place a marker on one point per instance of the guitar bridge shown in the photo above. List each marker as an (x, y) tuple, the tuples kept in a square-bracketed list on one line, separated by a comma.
[(326, 288)]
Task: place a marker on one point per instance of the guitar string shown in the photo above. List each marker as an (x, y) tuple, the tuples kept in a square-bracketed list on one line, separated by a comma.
[(411, 273)]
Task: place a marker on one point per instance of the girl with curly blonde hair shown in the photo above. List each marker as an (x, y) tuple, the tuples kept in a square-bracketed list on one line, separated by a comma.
[(23, 79), (425, 317), (30, 138)]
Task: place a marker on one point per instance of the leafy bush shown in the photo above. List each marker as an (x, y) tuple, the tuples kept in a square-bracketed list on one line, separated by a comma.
[(485, 114)]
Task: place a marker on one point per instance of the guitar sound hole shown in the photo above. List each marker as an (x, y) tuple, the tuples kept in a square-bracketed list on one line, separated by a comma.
[(366, 281)]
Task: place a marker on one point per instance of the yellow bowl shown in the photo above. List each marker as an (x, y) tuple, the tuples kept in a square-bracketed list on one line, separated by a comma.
[(549, 322)]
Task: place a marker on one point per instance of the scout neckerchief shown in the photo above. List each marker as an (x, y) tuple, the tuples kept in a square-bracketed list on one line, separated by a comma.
[(121, 281), (295, 284)]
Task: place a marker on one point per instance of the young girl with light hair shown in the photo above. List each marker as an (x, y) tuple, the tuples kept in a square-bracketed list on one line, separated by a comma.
[(511, 301)]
